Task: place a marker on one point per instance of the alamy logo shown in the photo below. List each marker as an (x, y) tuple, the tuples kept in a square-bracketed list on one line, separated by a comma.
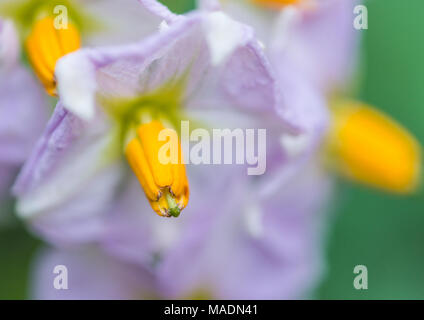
[(60, 281), (360, 282), (361, 20), (61, 19), (223, 146)]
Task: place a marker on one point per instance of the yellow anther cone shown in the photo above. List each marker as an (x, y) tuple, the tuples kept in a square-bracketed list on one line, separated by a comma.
[(373, 149), (276, 4), (165, 184), (46, 44)]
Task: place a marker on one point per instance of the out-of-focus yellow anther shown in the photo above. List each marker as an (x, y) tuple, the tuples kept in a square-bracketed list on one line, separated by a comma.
[(276, 4), (373, 149), (165, 185), (46, 44)]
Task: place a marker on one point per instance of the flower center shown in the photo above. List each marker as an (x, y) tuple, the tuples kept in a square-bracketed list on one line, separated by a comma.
[(46, 44), (164, 182), (152, 149), (371, 148)]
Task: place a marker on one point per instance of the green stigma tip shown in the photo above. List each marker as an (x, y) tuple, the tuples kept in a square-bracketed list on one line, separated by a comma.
[(174, 212)]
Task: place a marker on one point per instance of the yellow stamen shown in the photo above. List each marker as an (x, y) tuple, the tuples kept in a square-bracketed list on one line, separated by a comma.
[(165, 185), (276, 4), (46, 45), (373, 149)]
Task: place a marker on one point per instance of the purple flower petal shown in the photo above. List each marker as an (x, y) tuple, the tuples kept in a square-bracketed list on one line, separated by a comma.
[(22, 116), (9, 45), (91, 275)]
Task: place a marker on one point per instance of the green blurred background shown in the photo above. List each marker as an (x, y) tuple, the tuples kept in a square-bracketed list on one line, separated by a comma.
[(383, 232)]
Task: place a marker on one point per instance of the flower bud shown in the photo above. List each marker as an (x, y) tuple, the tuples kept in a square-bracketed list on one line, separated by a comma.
[(46, 44), (371, 148)]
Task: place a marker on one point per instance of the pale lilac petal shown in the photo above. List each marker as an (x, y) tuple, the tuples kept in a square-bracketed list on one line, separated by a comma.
[(309, 117), (80, 217), (208, 4), (23, 114), (248, 79), (308, 107), (138, 235), (67, 157), (91, 275), (44, 152), (121, 21), (216, 247), (196, 255), (9, 45), (300, 106), (178, 50), (322, 43), (275, 256), (23, 107), (318, 41), (284, 258), (261, 20), (129, 231), (127, 70)]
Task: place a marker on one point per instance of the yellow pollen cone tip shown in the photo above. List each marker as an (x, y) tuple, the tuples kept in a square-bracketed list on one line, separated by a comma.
[(46, 44), (369, 147), (276, 4), (165, 185)]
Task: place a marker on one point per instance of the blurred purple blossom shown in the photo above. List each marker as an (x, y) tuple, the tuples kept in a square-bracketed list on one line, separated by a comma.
[(240, 236), (23, 112)]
